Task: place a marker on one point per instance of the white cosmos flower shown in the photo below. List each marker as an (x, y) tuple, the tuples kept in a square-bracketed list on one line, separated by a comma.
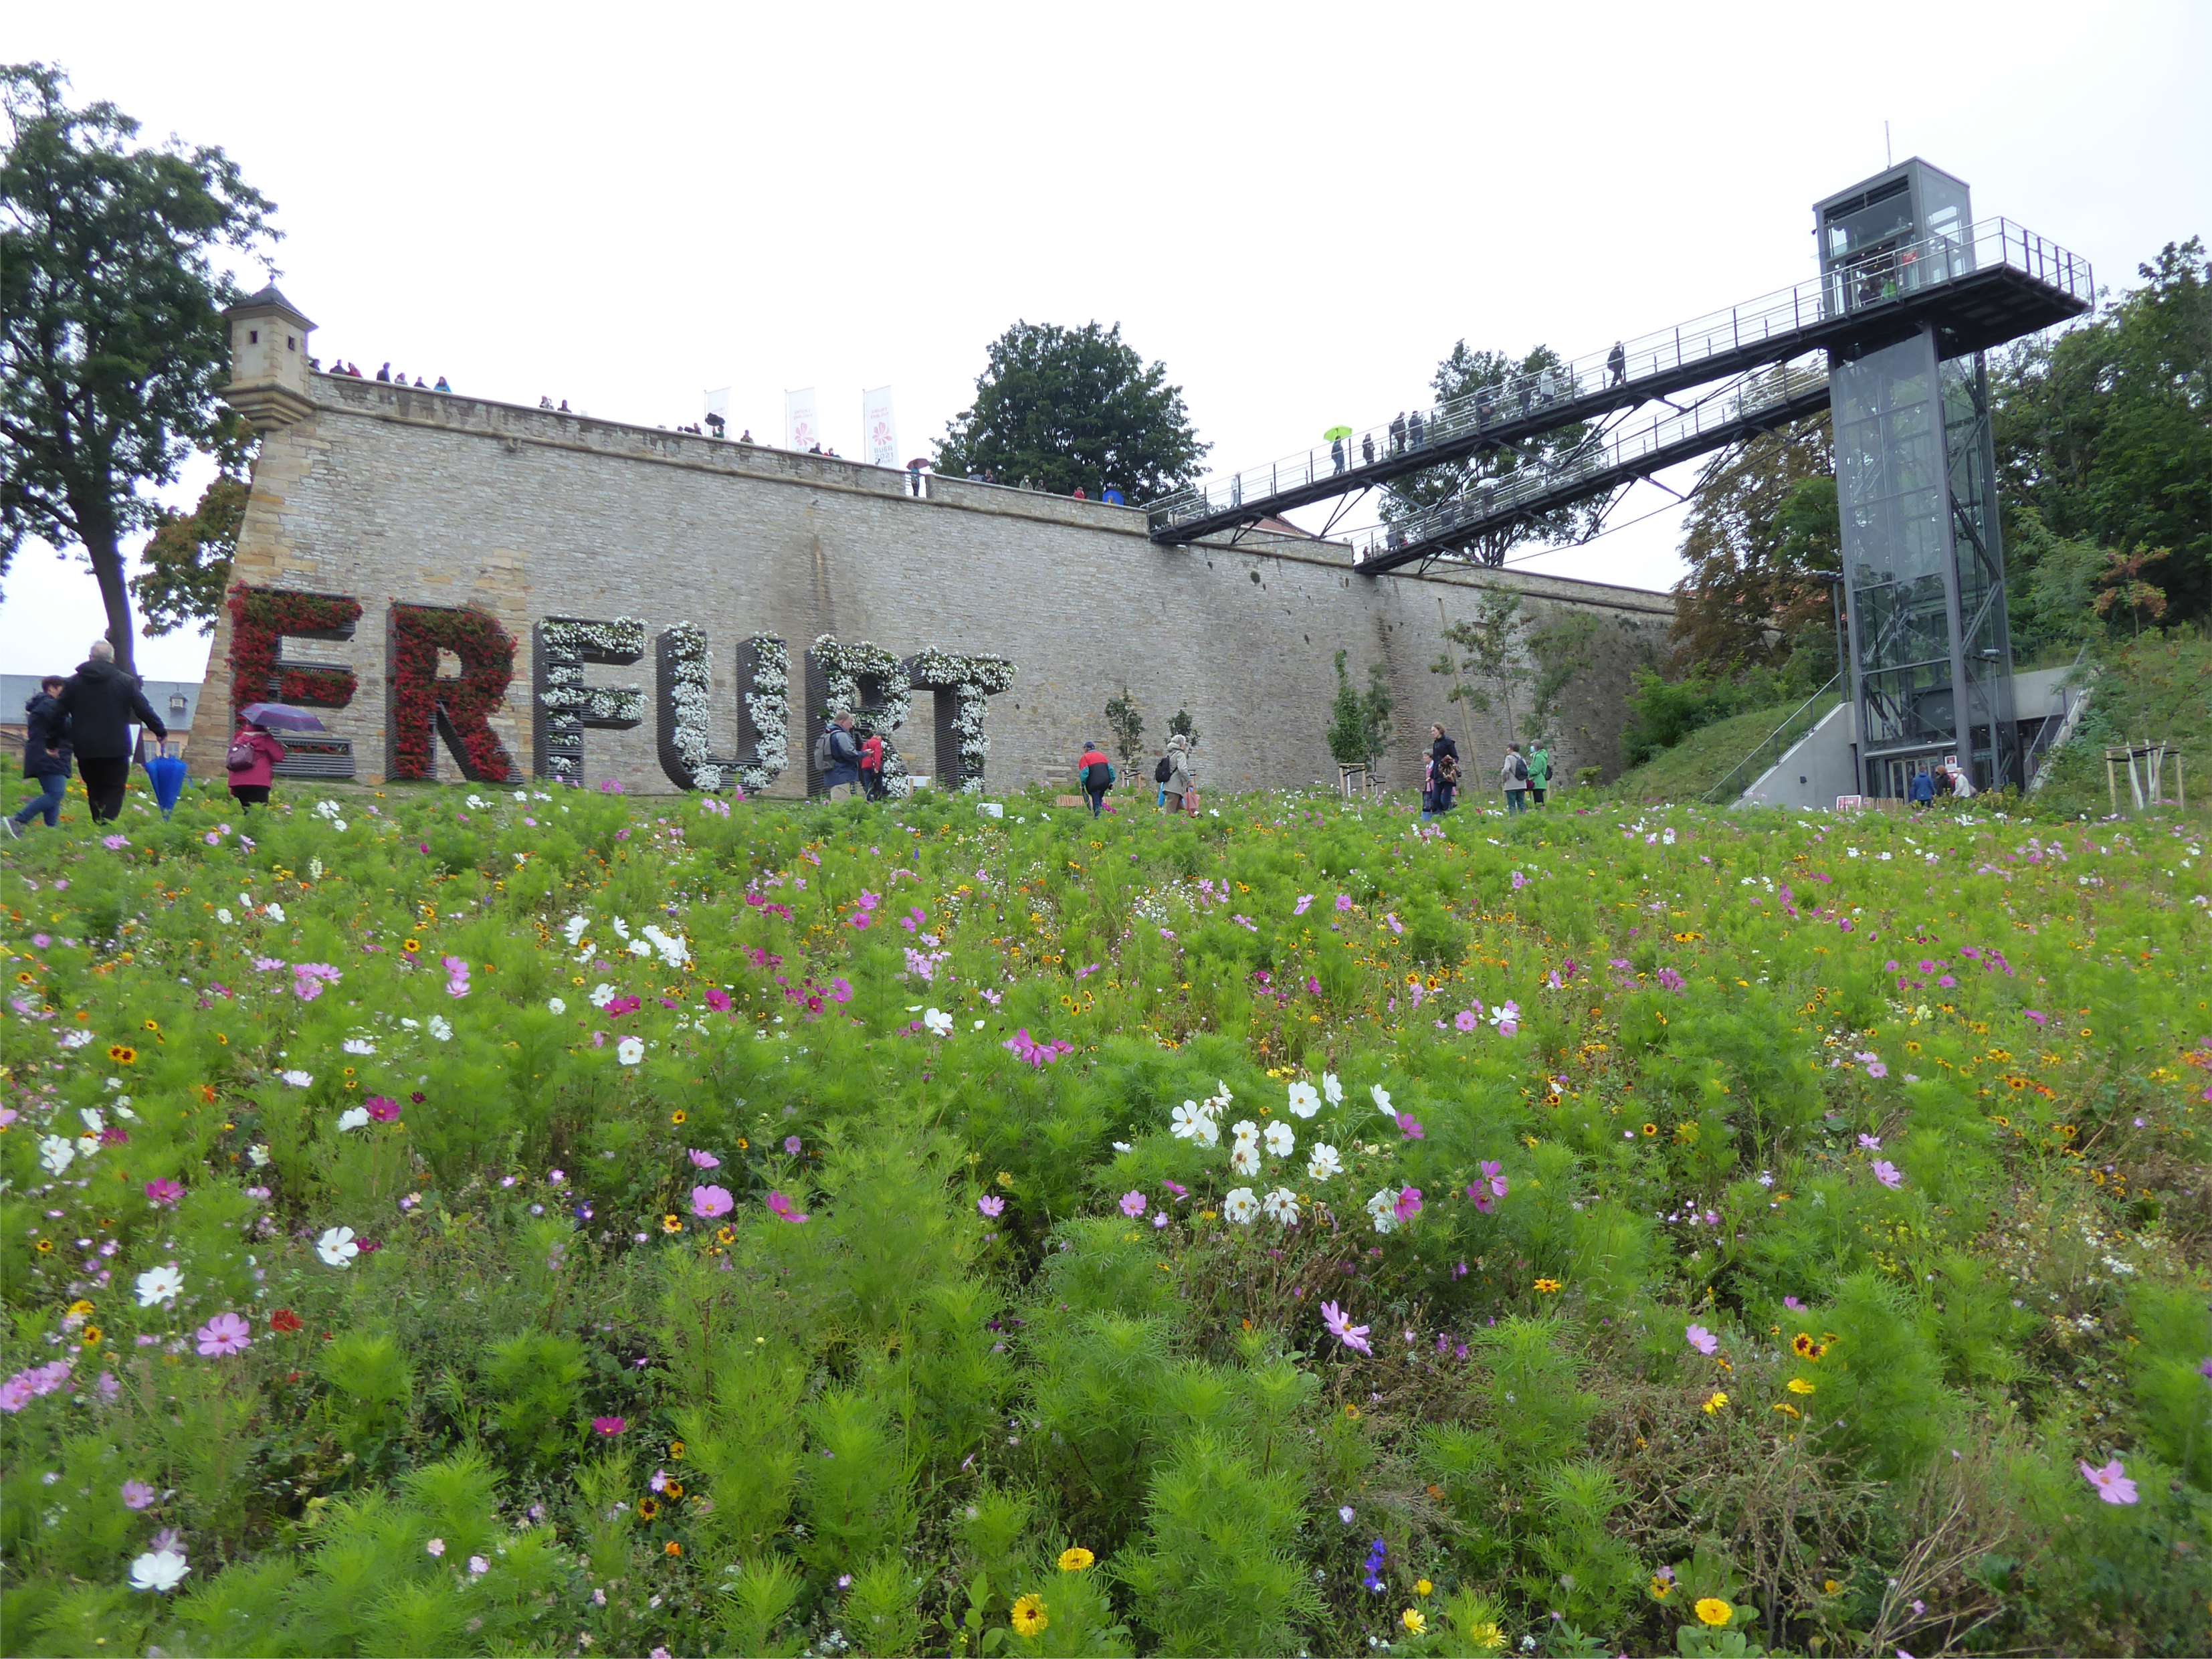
[(159, 1570), (1193, 1122), (1383, 1206), (441, 1028), (574, 928), (1382, 1101), (75, 1039), (1331, 1090), (274, 912), (1281, 1140), (298, 1079), (938, 1021), (555, 1005), (1240, 1206), (57, 1153), (1305, 1099), (224, 915), (638, 947), (94, 1122), (1244, 1157), (336, 1247), (602, 994), (1245, 1129), (356, 1119), (622, 928), (359, 1046), (159, 1284), (1282, 1205), (1323, 1161), (630, 1050), (257, 1155)]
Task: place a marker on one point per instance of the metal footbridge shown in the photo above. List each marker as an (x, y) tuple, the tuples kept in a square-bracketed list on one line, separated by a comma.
[(1991, 282)]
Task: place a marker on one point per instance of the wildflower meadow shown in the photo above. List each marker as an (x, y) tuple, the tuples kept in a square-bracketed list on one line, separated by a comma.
[(438, 1222)]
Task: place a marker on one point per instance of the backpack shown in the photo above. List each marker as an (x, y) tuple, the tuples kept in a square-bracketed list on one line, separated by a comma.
[(822, 761), (1163, 771), (242, 756), (1517, 768), (1098, 777), (1448, 768)]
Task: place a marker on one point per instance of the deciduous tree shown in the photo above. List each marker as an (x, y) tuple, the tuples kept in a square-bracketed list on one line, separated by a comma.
[(111, 341), (1752, 541)]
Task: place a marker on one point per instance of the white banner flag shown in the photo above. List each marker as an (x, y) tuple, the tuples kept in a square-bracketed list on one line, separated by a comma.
[(801, 431), (879, 428)]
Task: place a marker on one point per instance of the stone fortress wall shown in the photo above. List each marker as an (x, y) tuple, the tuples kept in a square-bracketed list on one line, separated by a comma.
[(387, 494)]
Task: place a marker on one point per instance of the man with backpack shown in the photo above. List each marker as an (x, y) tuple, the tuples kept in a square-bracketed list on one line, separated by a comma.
[(837, 757), (46, 754), (1098, 774), (1514, 774)]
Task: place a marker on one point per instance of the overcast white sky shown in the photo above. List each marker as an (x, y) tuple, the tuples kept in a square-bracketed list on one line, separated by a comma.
[(1298, 209)]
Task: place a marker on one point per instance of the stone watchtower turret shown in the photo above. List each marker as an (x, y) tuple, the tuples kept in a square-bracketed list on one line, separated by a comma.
[(269, 360)]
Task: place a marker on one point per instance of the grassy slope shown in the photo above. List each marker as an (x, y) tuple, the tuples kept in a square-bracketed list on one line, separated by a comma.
[(1701, 760), (2158, 688)]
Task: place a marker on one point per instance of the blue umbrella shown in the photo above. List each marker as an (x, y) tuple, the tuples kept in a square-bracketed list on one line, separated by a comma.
[(166, 773)]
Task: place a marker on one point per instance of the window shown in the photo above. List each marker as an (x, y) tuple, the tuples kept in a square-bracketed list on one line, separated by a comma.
[(290, 345), (253, 337)]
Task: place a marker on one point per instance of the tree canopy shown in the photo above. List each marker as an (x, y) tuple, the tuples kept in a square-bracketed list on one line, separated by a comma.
[(1061, 409), (1461, 374), (111, 341), (2104, 432), (1763, 519)]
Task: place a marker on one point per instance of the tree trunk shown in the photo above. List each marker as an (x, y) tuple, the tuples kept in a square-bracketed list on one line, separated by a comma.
[(106, 555)]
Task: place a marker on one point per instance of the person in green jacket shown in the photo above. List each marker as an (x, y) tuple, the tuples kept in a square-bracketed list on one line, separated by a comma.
[(1539, 772)]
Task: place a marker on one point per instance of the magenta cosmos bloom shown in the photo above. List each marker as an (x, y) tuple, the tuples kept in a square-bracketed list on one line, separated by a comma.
[(609, 1426), (1887, 1173), (1702, 1340), (1341, 1326), (382, 1108), (2111, 1482), (781, 1205), (1408, 1205), (1132, 1204), (701, 1160), (225, 1334), (990, 1206), (709, 1202), (163, 1193)]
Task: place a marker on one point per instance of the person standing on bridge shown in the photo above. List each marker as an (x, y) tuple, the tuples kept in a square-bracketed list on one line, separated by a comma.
[(1398, 433), (1336, 455), (1367, 450), (1413, 429), (1616, 363)]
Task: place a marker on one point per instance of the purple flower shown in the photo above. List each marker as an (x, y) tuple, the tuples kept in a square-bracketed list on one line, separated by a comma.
[(1410, 1128), (1702, 1340), (382, 1108), (1466, 1020), (990, 1206), (1887, 1173), (1870, 1143), (163, 1193), (1877, 1069), (1343, 903), (1341, 1326), (1408, 1205), (792, 1145), (609, 1426), (2111, 1482), (1304, 903), (1792, 1305), (702, 1160), (223, 1335), (137, 1495), (1132, 1204), (709, 1202), (781, 1205)]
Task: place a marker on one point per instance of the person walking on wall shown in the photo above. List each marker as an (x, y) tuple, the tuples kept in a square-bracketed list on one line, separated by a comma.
[(45, 757), (252, 764), (1514, 775), (1182, 774), (1098, 774), (838, 753), (102, 701), (1443, 774), (1540, 772)]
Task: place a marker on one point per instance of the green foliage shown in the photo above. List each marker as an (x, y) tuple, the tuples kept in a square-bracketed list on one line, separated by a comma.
[(1359, 722), (535, 1381), (1127, 722), (110, 282), (1490, 646), (1061, 408), (1762, 522)]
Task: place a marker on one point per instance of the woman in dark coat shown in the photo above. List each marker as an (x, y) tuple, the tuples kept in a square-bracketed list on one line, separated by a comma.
[(46, 755), (1443, 774)]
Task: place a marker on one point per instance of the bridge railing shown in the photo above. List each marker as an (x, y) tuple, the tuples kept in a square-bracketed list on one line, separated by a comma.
[(1487, 501), (1891, 277), (1776, 744)]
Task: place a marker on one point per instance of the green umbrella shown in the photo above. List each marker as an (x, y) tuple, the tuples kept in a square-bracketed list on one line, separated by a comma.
[(1335, 433)]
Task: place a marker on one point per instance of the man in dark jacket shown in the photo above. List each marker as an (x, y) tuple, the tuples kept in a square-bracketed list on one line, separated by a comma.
[(45, 757), (102, 701), (843, 777)]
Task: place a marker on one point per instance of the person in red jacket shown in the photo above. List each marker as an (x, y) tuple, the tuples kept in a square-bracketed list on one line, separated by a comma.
[(871, 768), (1098, 774), (249, 783)]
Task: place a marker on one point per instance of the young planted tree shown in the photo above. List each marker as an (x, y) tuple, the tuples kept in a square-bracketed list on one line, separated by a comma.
[(1127, 725), (1063, 409), (2124, 587), (1181, 721), (112, 338), (1489, 648), (1347, 721)]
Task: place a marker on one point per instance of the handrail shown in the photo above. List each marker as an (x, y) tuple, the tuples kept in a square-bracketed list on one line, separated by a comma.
[(2070, 698), (1769, 749), (1894, 277)]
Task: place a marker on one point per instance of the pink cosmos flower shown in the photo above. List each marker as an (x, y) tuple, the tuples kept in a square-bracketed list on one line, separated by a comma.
[(1341, 1326), (703, 1160), (718, 1000), (478, 1566), (436, 1547), (383, 1109), (990, 1206), (1702, 1340), (1410, 1127), (1132, 1204), (610, 1426), (709, 1202), (1343, 903), (1408, 1205), (1466, 1020), (163, 1193), (1870, 1143), (1304, 903), (137, 1495), (2111, 1482), (223, 1335), (1887, 1173), (781, 1205)]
